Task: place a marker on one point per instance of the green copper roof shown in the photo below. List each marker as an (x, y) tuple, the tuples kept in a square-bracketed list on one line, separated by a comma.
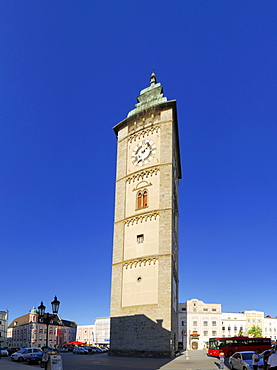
[(33, 310), (149, 96)]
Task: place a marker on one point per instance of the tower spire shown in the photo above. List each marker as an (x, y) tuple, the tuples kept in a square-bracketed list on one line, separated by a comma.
[(151, 95), (153, 79)]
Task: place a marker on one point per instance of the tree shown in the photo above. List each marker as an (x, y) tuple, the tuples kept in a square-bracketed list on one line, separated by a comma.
[(255, 332)]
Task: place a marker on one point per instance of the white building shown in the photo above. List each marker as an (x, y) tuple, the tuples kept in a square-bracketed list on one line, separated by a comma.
[(3, 328), (232, 324), (270, 327), (97, 334), (102, 331), (198, 321)]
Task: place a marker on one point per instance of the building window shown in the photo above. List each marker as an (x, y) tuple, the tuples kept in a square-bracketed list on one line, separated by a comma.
[(205, 309), (140, 238), (139, 200), (205, 333), (205, 323), (223, 327), (183, 323), (213, 323), (183, 309), (214, 333), (145, 196), (235, 328), (194, 323), (142, 199), (214, 309)]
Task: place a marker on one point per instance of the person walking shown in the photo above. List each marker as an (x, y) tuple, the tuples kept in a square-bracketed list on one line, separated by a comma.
[(272, 360), (255, 359), (265, 358), (221, 360)]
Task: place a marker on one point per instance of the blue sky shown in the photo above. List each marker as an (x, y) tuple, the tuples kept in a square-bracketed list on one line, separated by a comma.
[(69, 72)]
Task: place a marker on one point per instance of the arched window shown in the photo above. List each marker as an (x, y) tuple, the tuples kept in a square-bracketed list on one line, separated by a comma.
[(145, 198), (142, 199)]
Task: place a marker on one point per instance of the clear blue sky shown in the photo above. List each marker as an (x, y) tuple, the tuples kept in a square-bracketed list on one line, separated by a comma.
[(69, 72)]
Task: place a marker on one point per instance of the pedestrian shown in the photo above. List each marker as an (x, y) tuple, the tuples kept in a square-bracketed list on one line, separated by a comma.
[(255, 359), (265, 358), (45, 358), (221, 359), (272, 360)]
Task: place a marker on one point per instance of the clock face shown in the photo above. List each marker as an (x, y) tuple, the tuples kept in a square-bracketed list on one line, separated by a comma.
[(143, 152)]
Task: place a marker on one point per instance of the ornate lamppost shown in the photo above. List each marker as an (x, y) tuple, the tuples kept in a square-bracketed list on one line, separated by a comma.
[(41, 309)]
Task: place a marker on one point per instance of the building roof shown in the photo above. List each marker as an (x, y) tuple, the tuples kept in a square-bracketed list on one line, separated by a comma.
[(55, 320), (149, 96)]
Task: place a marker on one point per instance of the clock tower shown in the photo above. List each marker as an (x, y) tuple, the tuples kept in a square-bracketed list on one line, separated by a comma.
[(144, 293)]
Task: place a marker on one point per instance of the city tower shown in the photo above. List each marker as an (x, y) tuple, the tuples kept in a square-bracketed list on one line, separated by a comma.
[(144, 293)]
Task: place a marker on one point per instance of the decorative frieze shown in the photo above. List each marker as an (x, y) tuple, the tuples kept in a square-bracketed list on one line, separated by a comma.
[(143, 174), (143, 133), (139, 219), (140, 262)]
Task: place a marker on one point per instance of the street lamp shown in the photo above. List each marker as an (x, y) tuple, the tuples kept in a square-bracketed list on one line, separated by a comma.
[(41, 309)]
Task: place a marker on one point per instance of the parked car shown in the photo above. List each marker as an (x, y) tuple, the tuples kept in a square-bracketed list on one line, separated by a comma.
[(11, 350), (35, 358), (63, 349), (243, 361), (97, 349), (90, 350), (23, 353), (4, 352), (80, 351)]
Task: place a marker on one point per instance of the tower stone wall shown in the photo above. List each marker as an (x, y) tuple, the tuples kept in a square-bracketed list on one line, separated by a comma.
[(144, 292)]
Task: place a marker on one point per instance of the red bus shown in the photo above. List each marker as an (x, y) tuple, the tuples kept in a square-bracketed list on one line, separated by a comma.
[(230, 345)]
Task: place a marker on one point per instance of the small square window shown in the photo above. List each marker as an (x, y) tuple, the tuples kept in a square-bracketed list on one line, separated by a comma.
[(140, 238)]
